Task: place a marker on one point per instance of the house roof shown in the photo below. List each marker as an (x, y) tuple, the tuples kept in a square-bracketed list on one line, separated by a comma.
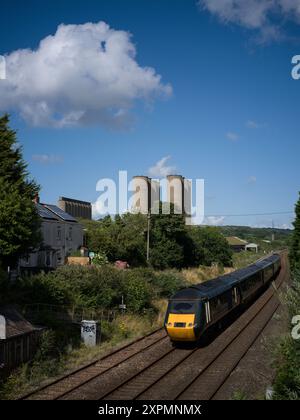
[(52, 212), (16, 324), (44, 213), (234, 240)]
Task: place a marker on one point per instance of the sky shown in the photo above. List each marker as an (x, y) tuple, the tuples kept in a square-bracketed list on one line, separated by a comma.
[(199, 88)]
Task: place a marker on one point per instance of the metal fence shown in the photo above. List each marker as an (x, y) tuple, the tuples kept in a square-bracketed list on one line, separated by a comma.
[(73, 314)]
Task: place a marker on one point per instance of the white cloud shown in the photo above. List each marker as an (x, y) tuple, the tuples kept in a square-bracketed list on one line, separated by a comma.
[(253, 124), (252, 179), (232, 136), (263, 15), (97, 210), (47, 159), (82, 75), (161, 169), (214, 220), (285, 226)]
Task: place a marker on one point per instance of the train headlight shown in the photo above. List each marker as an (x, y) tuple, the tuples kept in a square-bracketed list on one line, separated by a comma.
[(169, 324), (190, 324)]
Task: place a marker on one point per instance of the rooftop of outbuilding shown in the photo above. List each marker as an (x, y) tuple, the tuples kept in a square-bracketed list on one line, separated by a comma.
[(16, 324)]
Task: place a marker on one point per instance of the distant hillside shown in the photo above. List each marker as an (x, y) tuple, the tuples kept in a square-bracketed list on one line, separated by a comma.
[(252, 234)]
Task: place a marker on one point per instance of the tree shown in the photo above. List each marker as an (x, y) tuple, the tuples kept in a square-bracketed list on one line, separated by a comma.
[(210, 246), (121, 238), (19, 221), (169, 241), (295, 241)]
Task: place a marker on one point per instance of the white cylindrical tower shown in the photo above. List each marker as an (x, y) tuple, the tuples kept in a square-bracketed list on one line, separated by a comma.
[(175, 192), (141, 199)]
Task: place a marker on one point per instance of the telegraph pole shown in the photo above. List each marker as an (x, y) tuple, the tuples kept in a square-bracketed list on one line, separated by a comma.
[(273, 232), (148, 236)]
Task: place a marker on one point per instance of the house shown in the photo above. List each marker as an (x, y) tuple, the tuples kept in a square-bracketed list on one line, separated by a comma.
[(252, 247), (18, 339), (236, 244), (62, 235)]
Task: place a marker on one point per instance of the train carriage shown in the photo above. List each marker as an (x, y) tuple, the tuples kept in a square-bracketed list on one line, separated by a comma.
[(193, 310)]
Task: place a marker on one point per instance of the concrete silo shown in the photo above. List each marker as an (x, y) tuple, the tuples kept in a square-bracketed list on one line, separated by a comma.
[(141, 199), (187, 197), (175, 192), (155, 196), (179, 193)]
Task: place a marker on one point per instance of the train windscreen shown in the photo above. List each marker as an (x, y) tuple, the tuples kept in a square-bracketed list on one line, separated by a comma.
[(181, 307)]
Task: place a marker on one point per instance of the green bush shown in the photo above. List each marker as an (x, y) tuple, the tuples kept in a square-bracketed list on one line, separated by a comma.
[(89, 287), (136, 289), (287, 354), (100, 259), (168, 282), (287, 382), (4, 287)]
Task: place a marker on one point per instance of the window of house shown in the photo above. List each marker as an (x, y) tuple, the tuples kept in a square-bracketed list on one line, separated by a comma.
[(58, 233)]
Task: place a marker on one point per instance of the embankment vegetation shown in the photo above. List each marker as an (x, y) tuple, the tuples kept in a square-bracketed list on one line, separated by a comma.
[(287, 353)]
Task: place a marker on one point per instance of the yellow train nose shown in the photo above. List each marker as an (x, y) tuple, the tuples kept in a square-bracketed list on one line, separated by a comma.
[(180, 327)]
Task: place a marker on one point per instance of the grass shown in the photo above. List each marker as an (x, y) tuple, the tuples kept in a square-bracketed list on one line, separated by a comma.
[(286, 355), (239, 395), (203, 273), (244, 258)]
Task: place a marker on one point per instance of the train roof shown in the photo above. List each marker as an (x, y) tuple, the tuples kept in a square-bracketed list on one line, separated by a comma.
[(219, 285)]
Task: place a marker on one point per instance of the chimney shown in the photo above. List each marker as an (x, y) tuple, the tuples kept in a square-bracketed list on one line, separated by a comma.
[(36, 199)]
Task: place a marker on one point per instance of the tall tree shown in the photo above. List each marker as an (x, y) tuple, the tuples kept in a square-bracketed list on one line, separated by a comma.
[(19, 221), (169, 242), (295, 242), (210, 246)]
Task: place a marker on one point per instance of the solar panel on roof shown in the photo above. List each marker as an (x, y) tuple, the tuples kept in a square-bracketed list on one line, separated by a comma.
[(60, 213), (44, 213)]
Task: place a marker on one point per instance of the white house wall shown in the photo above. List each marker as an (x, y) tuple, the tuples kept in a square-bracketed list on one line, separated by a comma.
[(60, 245)]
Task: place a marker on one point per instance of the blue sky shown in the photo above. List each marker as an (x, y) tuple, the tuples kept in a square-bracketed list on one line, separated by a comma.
[(225, 109)]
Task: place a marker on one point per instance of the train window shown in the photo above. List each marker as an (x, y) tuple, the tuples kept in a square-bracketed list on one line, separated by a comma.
[(251, 282), (219, 304), (182, 307)]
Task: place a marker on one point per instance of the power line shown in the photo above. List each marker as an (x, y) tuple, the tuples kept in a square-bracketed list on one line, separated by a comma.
[(250, 214)]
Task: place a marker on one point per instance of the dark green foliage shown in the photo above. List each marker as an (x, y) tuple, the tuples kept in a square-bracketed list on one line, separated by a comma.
[(287, 360), (4, 286), (210, 246), (252, 234), (137, 291), (100, 259), (295, 241), (287, 382), (169, 241), (94, 287), (121, 239), (168, 282), (172, 243), (19, 221)]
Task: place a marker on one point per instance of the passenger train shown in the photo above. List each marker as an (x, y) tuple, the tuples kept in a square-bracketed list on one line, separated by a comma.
[(193, 310)]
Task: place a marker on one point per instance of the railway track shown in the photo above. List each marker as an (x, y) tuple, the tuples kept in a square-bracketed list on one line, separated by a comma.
[(150, 368), (58, 388)]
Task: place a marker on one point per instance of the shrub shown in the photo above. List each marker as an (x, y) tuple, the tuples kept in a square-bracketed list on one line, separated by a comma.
[(287, 354), (169, 282), (137, 291), (100, 259)]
